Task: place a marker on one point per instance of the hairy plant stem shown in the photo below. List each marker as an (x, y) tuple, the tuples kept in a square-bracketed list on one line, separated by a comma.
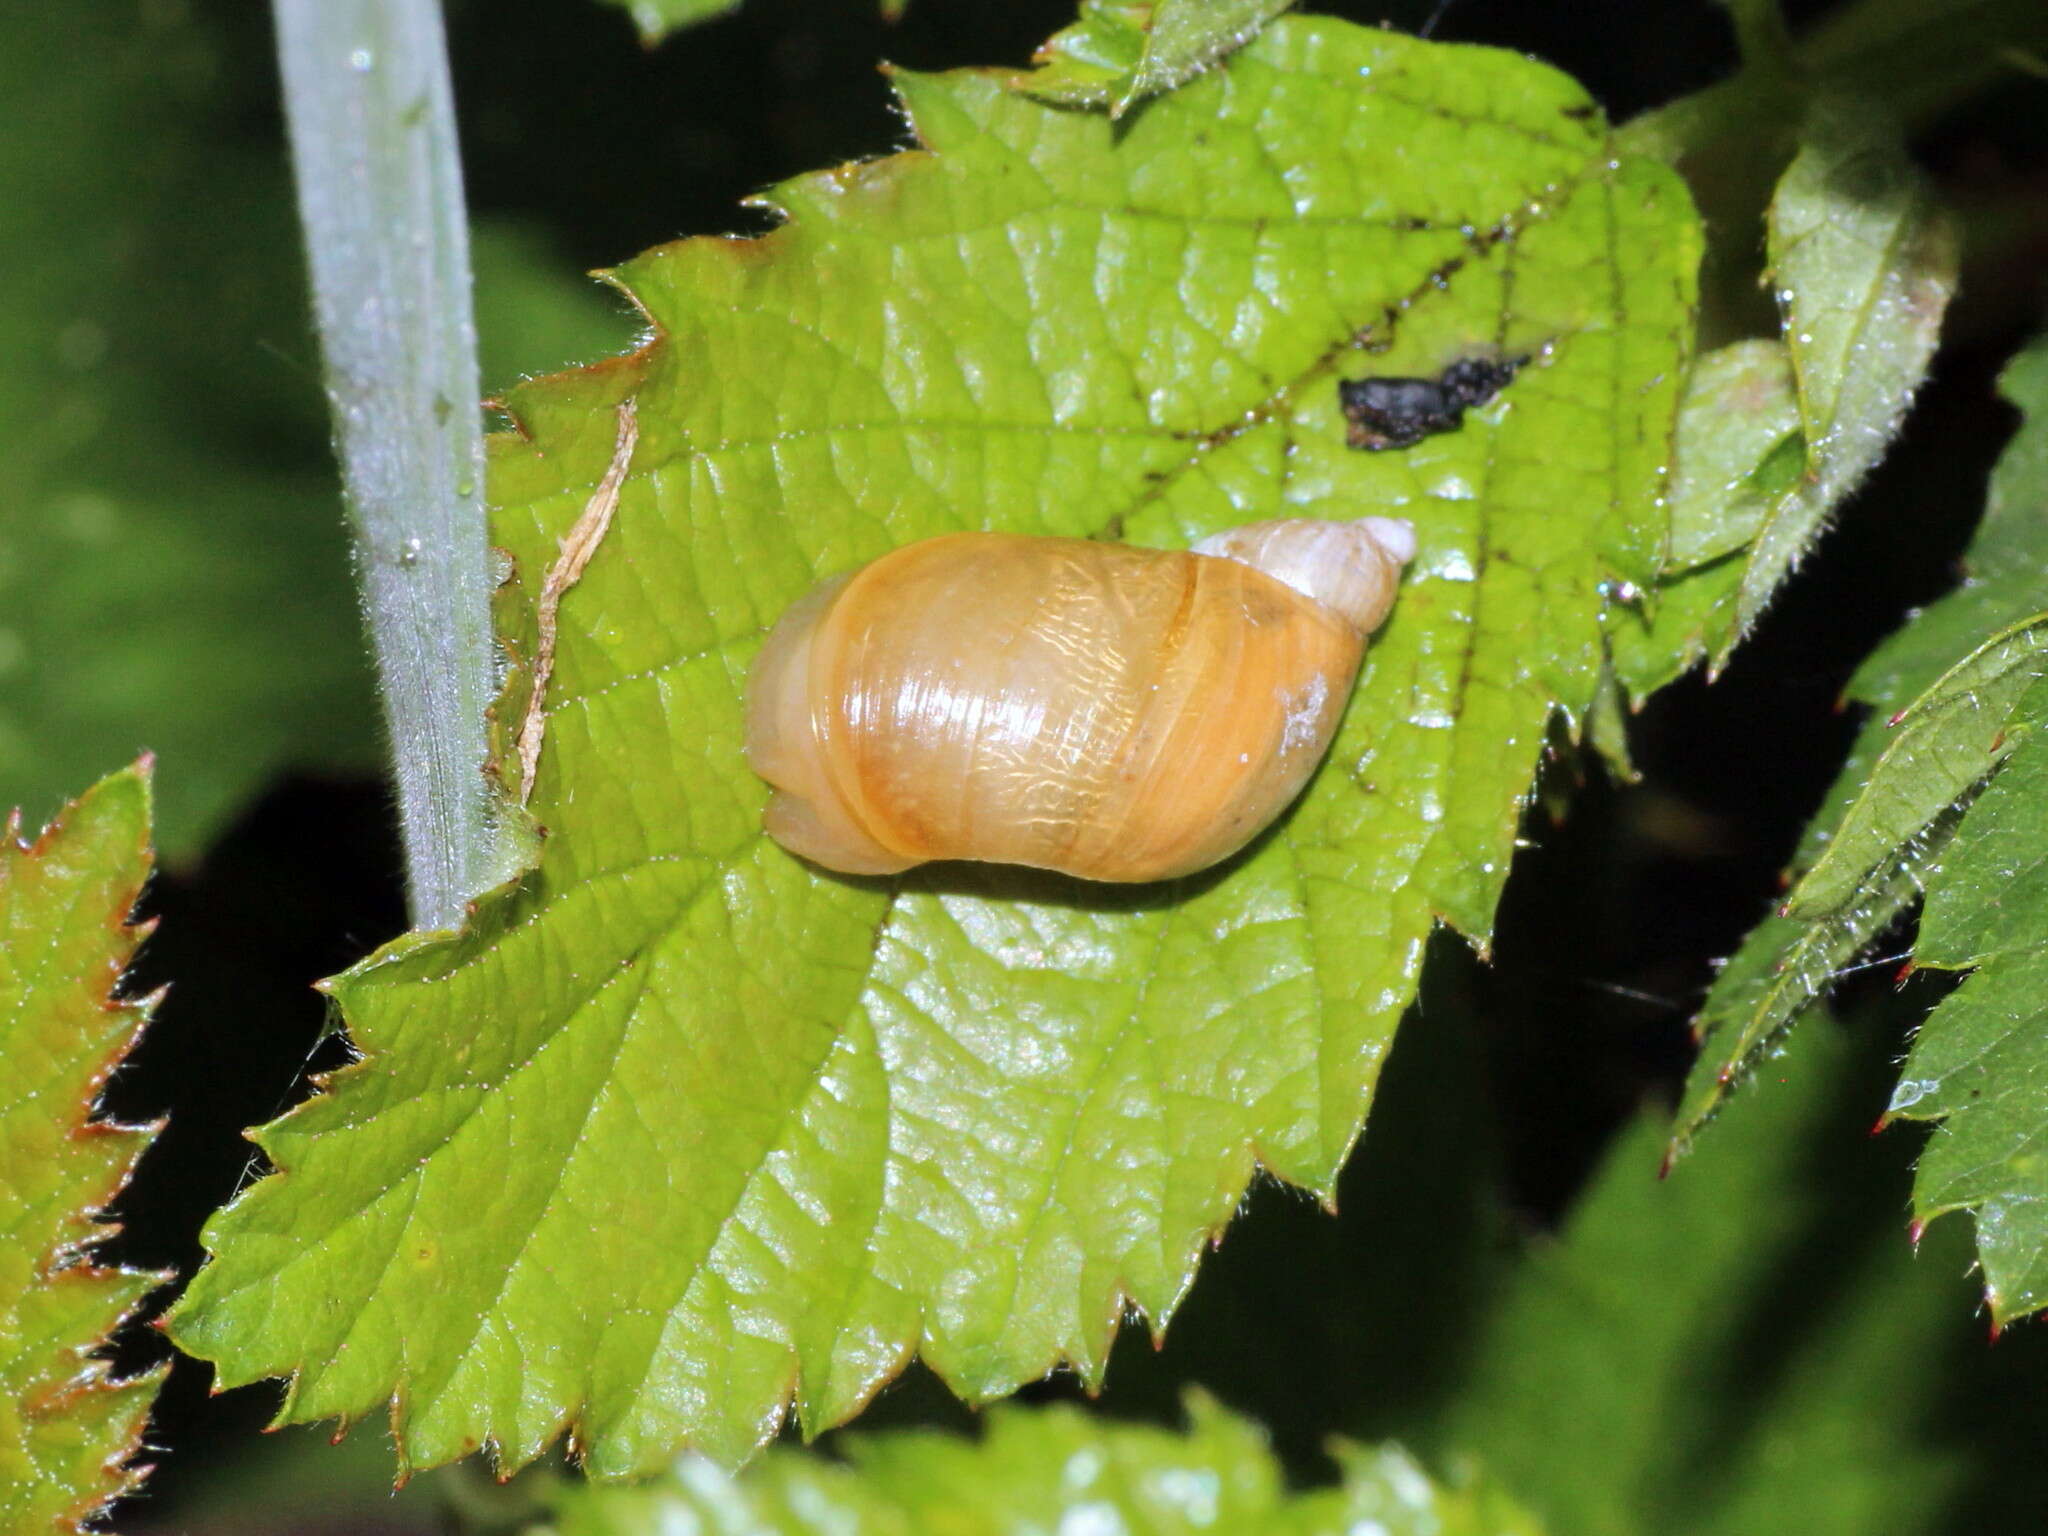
[(372, 123)]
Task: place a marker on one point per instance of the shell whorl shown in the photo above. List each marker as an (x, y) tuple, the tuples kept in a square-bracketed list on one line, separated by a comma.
[(1111, 712), (1352, 568)]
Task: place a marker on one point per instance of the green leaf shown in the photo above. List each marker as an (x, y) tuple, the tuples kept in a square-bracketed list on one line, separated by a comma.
[(657, 18), (1897, 800), (1982, 903), (1734, 1350), (172, 564), (1739, 412), (1738, 454), (684, 1129), (1863, 264), (68, 1427), (1053, 1469), (1122, 51), (1978, 1064), (1944, 742)]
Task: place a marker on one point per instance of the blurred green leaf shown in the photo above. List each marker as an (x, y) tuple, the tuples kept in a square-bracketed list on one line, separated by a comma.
[(534, 312), (684, 1129), (1052, 1469), (172, 566), (68, 1426), (1121, 51), (1734, 1350), (252, 1485), (1897, 801)]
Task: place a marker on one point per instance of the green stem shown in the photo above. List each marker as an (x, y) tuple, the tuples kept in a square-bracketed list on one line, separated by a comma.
[(1760, 33), (1919, 57), (380, 194)]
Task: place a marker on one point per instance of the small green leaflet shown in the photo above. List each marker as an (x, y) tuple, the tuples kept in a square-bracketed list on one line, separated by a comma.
[(1739, 453), (656, 19), (1122, 51), (1053, 1469), (682, 1132), (1863, 264), (1939, 726), (67, 1426)]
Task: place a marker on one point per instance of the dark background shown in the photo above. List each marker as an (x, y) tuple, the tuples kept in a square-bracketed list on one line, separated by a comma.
[(1509, 1079)]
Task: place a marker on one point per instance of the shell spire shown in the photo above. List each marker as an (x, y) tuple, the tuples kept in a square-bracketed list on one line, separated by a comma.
[(1352, 568)]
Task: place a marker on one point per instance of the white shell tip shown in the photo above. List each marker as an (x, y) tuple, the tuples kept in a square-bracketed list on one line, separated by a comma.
[(1396, 535)]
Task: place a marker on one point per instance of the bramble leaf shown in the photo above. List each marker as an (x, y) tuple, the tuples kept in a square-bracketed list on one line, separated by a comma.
[(1941, 745), (1939, 725), (1053, 1469), (683, 1130), (68, 1427), (1979, 1064)]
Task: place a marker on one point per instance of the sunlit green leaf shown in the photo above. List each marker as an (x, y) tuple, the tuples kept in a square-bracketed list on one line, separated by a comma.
[(684, 1130), (68, 1426)]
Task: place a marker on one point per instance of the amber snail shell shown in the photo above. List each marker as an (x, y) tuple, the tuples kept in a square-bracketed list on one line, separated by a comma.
[(1109, 712)]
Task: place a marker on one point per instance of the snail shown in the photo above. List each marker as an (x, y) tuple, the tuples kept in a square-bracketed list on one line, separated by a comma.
[(1109, 712)]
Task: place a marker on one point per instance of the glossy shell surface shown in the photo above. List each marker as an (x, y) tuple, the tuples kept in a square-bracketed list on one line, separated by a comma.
[(1113, 713)]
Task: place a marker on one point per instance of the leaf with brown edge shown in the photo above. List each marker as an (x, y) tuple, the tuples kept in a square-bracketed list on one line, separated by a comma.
[(69, 1429), (683, 1133)]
